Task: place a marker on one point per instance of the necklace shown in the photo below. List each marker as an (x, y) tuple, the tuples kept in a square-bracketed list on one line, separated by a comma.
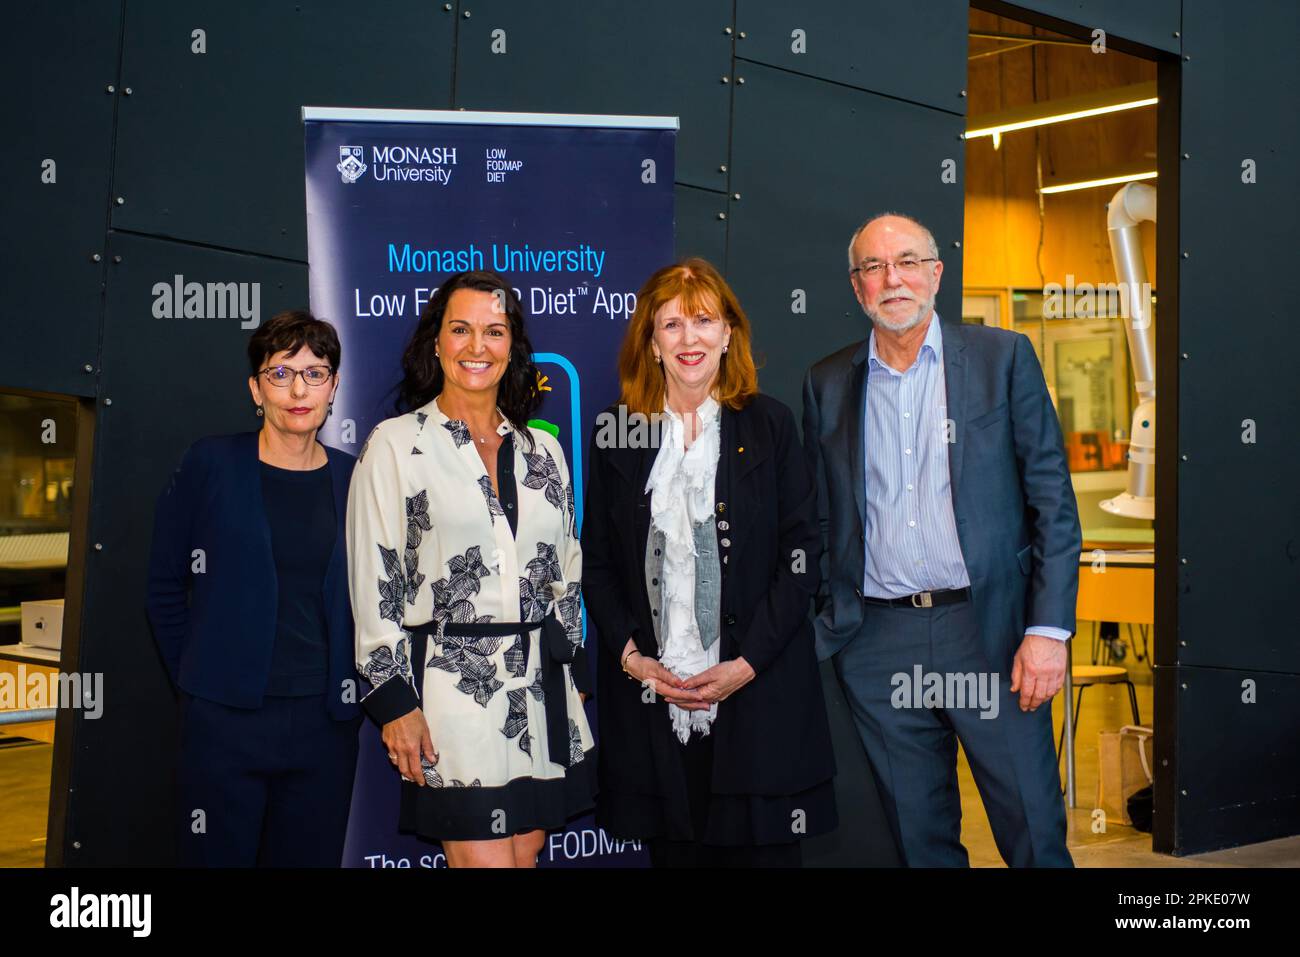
[(464, 423), (481, 439)]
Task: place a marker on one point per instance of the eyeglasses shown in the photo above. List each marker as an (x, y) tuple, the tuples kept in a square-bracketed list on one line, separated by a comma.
[(283, 376), (908, 267)]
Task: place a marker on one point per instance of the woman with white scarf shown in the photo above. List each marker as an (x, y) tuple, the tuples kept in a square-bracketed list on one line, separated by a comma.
[(701, 555)]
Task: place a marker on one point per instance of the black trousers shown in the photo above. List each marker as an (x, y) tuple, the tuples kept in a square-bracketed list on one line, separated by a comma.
[(697, 763), (268, 787)]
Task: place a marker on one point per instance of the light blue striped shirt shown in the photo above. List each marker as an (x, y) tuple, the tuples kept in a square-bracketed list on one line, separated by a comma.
[(911, 534)]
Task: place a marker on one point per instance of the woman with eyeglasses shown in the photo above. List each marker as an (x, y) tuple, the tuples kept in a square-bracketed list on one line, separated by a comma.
[(248, 599)]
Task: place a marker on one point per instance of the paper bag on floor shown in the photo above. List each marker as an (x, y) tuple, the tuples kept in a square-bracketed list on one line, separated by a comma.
[(1124, 759)]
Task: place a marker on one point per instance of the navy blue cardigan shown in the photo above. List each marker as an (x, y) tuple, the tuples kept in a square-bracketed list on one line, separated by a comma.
[(214, 614)]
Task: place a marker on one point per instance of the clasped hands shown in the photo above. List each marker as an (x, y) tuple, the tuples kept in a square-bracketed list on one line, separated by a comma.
[(696, 693)]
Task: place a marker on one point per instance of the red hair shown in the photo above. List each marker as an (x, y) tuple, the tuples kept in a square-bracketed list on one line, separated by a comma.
[(701, 288)]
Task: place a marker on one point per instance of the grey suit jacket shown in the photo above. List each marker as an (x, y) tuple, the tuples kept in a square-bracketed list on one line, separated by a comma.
[(1017, 521)]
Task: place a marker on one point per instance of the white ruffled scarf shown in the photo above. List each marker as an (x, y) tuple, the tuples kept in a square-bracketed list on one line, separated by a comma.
[(681, 495)]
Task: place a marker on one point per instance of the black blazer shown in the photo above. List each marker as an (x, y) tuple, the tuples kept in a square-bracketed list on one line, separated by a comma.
[(771, 737), (216, 630)]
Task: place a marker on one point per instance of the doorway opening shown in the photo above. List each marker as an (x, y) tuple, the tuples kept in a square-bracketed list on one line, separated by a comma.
[(1062, 172)]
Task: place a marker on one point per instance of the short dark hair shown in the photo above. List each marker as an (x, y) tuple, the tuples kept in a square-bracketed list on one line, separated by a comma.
[(288, 332), (517, 393)]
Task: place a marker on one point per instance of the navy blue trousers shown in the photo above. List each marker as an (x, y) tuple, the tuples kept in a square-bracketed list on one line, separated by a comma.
[(268, 787), (912, 747)]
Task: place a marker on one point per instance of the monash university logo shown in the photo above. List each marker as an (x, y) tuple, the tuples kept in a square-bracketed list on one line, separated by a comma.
[(350, 166)]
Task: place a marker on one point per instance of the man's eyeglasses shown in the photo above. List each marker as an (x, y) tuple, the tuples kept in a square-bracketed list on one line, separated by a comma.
[(283, 376), (876, 268)]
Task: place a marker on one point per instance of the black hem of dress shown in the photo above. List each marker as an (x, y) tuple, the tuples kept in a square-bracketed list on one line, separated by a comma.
[(458, 813), (735, 820)]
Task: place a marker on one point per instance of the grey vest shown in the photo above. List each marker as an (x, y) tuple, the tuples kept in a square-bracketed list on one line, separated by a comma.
[(708, 580)]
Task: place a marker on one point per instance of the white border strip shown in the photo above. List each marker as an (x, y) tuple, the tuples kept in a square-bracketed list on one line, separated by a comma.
[(356, 115)]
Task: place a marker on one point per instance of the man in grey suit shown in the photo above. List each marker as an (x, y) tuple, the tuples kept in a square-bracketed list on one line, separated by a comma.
[(952, 556)]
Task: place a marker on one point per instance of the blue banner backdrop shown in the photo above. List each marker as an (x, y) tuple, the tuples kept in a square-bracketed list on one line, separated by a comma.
[(575, 211)]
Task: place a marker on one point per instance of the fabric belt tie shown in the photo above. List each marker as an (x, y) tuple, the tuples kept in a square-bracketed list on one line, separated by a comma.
[(555, 652)]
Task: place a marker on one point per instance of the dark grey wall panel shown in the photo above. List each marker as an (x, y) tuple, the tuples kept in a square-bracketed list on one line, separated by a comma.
[(810, 164), (1241, 351), (1234, 763), (1151, 22), (1238, 765), (872, 44), (700, 228), (56, 61), (210, 146), (572, 56), (170, 382)]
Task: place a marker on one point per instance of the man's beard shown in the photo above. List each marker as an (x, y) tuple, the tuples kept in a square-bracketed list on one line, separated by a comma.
[(924, 306)]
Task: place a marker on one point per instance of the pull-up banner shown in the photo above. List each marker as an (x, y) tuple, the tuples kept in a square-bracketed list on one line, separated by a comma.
[(574, 211)]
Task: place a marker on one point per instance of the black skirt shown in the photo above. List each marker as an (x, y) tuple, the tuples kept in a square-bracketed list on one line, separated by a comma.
[(486, 814), (688, 810)]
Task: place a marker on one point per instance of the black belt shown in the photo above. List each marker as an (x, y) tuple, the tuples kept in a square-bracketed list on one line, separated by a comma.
[(922, 599), (556, 651)]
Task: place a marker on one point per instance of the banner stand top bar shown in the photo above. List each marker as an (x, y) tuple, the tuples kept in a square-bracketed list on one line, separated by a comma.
[(358, 115)]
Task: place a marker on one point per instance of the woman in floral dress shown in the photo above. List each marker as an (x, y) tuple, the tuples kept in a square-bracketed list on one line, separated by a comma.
[(465, 571)]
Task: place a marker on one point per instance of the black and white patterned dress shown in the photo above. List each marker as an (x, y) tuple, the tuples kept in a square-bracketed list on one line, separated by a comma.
[(443, 571)]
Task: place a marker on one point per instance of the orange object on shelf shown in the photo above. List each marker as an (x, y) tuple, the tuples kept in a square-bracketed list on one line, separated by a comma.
[(1087, 451)]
